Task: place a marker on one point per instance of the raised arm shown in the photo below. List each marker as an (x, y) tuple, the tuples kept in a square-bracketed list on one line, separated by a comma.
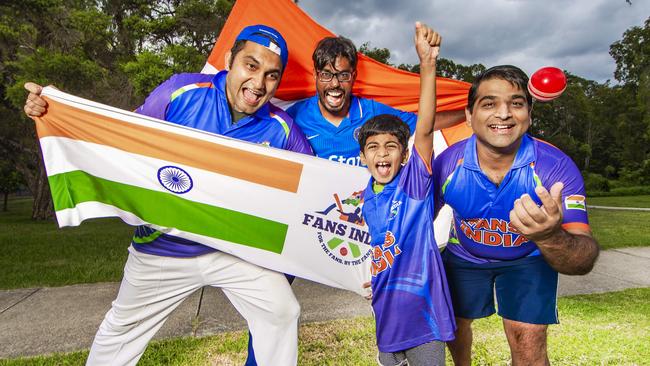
[(427, 45)]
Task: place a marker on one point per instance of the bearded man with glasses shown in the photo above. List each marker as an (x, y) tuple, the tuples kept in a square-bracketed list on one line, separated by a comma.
[(331, 119)]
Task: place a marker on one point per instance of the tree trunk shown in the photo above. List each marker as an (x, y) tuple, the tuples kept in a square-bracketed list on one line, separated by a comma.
[(4, 206), (42, 208)]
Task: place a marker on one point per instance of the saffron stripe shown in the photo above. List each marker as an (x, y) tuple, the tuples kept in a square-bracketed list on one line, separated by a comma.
[(168, 210), (63, 120)]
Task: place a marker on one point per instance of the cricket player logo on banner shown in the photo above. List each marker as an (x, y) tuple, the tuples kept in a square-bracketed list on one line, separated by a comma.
[(341, 231)]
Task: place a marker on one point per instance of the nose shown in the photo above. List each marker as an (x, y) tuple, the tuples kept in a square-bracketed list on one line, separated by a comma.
[(503, 111), (335, 81), (258, 80)]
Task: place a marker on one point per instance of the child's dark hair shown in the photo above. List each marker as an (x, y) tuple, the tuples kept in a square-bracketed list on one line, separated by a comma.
[(384, 123)]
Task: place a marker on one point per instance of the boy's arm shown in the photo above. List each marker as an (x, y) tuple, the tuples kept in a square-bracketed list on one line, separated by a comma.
[(427, 45)]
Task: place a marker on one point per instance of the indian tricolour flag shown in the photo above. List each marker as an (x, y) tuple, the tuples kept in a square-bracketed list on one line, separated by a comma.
[(265, 205)]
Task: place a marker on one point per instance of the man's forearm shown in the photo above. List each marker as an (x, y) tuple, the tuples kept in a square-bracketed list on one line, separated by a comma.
[(571, 254)]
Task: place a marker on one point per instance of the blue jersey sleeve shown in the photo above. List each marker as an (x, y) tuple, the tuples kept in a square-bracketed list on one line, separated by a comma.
[(555, 166), (409, 118), (296, 140), (157, 103)]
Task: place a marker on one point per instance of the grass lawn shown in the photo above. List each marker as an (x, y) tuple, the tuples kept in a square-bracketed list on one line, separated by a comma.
[(623, 201), (38, 253), (599, 329)]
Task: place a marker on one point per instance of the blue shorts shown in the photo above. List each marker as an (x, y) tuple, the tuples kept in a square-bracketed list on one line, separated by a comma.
[(526, 289)]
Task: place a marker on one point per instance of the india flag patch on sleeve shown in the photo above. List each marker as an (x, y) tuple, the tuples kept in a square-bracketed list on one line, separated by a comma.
[(575, 202)]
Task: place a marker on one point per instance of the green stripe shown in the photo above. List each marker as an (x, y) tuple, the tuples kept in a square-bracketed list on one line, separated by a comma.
[(178, 92), (453, 241), (168, 210), (284, 126), (575, 205), (444, 186)]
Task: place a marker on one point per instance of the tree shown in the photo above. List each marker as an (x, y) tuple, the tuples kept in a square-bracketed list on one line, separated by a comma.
[(379, 54), (112, 51)]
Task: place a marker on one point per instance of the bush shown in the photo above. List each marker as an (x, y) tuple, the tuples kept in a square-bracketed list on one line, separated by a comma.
[(596, 183)]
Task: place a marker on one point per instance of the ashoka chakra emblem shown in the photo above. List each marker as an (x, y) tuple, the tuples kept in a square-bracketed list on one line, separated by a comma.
[(175, 179)]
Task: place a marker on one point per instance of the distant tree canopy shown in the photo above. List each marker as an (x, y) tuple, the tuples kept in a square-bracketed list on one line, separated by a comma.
[(604, 127)]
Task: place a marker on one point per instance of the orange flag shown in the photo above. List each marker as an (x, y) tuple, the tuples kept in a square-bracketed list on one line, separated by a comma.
[(397, 88)]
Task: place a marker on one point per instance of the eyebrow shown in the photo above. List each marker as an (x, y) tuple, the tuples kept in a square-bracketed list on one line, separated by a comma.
[(256, 61), (492, 97)]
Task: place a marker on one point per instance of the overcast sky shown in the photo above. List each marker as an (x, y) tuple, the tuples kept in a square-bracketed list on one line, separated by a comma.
[(572, 35)]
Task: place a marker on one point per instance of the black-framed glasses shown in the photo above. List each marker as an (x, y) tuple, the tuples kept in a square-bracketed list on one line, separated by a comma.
[(342, 76)]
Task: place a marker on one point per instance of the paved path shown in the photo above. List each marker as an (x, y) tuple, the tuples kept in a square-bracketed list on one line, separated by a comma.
[(63, 319)]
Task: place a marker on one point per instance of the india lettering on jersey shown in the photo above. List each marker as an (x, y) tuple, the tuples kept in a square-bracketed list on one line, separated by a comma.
[(492, 232), (384, 256)]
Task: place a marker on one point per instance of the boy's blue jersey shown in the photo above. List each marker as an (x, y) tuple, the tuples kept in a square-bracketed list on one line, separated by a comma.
[(482, 232), (410, 297), (341, 143), (199, 101)]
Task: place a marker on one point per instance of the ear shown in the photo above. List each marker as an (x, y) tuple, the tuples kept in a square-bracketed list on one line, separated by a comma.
[(226, 60), (468, 117), (362, 157), (405, 156)]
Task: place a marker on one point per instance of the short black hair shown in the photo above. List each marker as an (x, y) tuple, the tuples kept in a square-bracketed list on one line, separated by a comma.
[(384, 123), (509, 73), (329, 48), (239, 45)]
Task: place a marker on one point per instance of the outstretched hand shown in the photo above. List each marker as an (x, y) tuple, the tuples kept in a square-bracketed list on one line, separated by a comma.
[(538, 223), (427, 44)]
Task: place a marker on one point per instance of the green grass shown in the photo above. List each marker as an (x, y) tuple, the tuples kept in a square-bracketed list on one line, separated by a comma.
[(38, 253), (598, 329), (618, 229), (622, 201)]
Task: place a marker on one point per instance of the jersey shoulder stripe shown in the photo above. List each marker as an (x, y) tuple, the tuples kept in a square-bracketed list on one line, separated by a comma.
[(189, 87)]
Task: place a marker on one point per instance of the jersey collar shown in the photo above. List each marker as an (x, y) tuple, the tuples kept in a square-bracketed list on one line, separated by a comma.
[(525, 155)]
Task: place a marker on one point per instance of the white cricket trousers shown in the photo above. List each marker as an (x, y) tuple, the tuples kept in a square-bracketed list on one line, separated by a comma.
[(153, 286)]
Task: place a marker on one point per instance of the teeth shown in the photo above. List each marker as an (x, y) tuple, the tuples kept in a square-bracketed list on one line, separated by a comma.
[(500, 127), (337, 93)]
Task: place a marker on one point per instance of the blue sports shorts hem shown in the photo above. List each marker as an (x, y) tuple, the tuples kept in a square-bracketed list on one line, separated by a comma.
[(525, 289)]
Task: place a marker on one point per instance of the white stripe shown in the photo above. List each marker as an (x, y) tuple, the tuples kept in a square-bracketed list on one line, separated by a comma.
[(142, 172)]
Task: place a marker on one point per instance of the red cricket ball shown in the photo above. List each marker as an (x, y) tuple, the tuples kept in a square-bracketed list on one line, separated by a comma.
[(547, 83)]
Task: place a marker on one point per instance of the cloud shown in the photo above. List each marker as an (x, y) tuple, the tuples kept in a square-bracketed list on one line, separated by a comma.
[(574, 35)]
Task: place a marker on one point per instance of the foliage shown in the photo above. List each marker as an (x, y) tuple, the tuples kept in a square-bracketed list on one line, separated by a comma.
[(112, 51), (379, 54)]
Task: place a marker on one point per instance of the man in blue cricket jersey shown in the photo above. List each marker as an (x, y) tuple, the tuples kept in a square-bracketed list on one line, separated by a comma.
[(332, 118), (163, 270), (520, 217)]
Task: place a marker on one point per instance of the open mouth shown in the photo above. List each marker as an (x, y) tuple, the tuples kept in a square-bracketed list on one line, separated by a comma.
[(252, 96), (383, 168), (334, 97)]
